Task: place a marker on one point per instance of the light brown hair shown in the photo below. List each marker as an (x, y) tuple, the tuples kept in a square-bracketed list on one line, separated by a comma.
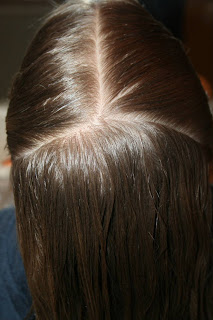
[(110, 136)]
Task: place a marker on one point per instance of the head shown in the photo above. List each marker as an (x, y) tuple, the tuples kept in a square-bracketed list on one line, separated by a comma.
[(110, 136)]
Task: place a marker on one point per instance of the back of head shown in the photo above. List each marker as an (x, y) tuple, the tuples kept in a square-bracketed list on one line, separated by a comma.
[(110, 136)]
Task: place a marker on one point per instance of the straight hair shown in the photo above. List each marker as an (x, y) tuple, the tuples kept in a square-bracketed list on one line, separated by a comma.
[(110, 136)]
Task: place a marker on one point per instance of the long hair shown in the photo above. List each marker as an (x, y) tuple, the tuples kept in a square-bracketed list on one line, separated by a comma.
[(110, 136)]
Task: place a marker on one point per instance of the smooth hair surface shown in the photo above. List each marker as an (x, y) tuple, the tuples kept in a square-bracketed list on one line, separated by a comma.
[(110, 136)]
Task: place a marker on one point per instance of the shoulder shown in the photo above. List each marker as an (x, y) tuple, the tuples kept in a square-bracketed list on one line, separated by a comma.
[(15, 300)]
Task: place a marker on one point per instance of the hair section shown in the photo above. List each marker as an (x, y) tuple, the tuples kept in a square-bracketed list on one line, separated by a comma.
[(110, 136)]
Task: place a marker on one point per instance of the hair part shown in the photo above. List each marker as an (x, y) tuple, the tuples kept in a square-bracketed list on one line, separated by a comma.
[(110, 136)]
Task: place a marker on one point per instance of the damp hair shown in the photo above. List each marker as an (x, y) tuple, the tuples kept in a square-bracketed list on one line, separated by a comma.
[(110, 136)]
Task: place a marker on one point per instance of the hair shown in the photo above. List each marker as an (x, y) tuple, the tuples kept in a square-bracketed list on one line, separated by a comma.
[(110, 136)]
